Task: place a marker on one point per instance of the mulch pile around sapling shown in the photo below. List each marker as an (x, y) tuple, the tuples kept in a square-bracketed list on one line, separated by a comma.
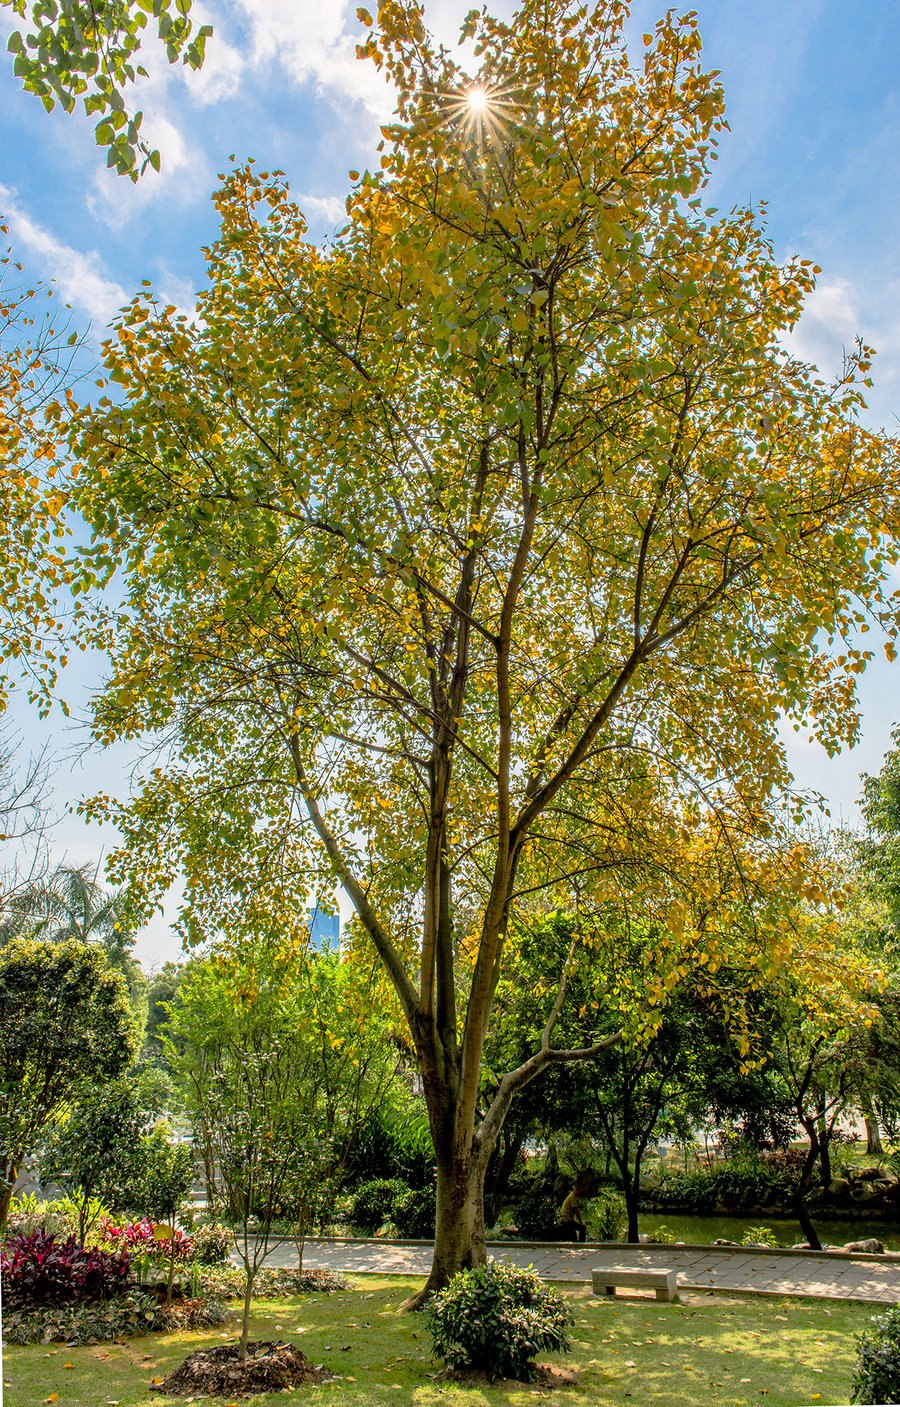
[(268, 1367)]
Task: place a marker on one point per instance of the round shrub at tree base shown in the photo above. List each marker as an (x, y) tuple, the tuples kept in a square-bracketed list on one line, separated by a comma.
[(497, 1318), (876, 1377)]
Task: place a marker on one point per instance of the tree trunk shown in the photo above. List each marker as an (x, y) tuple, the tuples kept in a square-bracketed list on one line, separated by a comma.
[(630, 1191), (459, 1242), (824, 1153), (874, 1146), (502, 1163), (245, 1322), (171, 1279), (805, 1182), (11, 1168)]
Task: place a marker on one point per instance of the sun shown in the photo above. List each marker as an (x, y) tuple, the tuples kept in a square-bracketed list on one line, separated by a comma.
[(479, 111)]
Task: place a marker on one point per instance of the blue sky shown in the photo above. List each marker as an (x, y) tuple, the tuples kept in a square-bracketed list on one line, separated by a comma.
[(814, 106)]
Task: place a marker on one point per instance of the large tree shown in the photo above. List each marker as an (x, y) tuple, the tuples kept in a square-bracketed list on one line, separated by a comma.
[(481, 552)]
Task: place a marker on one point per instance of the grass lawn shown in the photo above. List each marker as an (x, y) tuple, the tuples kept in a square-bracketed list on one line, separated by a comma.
[(709, 1350)]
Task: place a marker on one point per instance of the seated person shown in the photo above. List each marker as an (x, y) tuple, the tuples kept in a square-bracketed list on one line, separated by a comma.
[(571, 1225)]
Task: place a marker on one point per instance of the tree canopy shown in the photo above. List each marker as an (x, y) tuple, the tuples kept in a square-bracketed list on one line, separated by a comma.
[(89, 50), (474, 558), (65, 1027)]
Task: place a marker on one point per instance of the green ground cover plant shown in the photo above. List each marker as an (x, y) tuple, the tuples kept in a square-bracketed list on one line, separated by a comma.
[(738, 1352)]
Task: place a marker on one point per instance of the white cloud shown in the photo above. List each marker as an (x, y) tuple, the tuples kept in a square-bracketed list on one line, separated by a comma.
[(330, 209), (835, 313), (310, 38), (80, 277), (829, 324), (172, 288), (220, 76)]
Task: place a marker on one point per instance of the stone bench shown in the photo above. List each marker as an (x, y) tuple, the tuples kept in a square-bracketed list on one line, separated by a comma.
[(664, 1282)]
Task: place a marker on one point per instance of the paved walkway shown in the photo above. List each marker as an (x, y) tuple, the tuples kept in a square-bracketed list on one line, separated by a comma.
[(821, 1276)]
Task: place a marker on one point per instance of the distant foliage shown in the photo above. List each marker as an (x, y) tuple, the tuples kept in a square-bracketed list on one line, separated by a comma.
[(38, 1268), (876, 1377), (376, 1203), (745, 1179), (606, 1215), (497, 1318), (390, 1146), (211, 1244)]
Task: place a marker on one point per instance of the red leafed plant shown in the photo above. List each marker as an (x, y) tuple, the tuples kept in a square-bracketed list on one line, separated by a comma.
[(140, 1237), (38, 1268)]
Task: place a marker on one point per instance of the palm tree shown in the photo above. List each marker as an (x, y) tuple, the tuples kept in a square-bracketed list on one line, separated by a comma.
[(72, 904)]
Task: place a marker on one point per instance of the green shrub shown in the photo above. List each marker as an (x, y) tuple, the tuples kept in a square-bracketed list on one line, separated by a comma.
[(414, 1213), (743, 1179), (376, 1202), (607, 1215), (662, 1236), (759, 1236), (496, 1318), (211, 1244), (876, 1377), (536, 1214), (29, 1213), (272, 1282)]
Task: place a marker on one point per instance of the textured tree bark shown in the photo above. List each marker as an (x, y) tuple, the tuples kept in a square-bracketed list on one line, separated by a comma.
[(10, 1177), (874, 1146)]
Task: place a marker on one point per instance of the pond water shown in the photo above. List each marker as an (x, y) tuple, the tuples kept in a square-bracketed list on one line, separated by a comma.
[(732, 1228)]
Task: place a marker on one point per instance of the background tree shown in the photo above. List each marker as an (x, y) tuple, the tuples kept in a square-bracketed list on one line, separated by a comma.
[(274, 1088), (65, 1027), (162, 1175), (879, 850), (96, 1152), (462, 553)]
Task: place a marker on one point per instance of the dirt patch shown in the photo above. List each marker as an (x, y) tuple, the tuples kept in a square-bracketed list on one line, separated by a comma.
[(545, 1375), (215, 1372)]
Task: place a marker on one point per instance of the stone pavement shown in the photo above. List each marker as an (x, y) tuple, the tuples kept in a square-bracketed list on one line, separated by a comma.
[(873, 1278)]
